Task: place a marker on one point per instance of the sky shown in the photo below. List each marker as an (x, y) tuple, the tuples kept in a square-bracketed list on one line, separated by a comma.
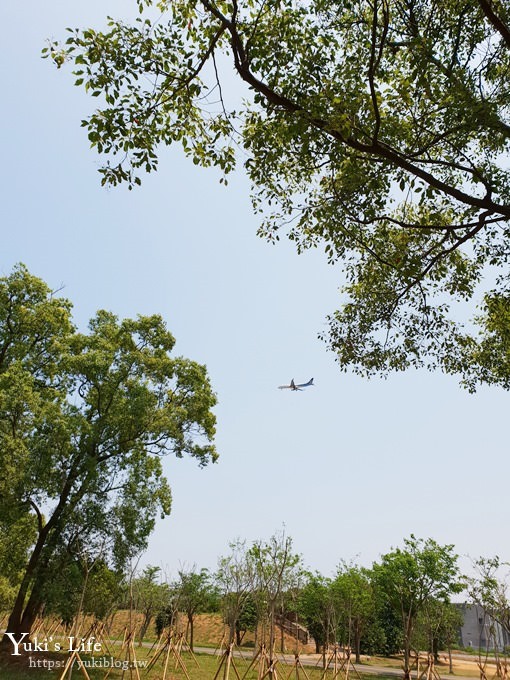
[(349, 467)]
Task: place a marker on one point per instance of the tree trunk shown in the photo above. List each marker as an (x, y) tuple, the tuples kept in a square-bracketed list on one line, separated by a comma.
[(435, 649), (232, 631), (190, 622), (32, 609), (271, 643), (407, 665), (408, 629), (357, 652), (357, 642), (145, 625), (22, 617)]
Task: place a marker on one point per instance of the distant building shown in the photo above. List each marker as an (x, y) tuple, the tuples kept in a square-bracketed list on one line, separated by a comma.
[(480, 630)]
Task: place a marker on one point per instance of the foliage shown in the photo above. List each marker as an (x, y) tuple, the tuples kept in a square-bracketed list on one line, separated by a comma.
[(79, 588), (489, 589), (349, 610), (316, 609), (354, 591), (437, 627), (247, 619), (277, 570), (410, 578), (168, 615), (235, 578), (384, 636), (376, 130), (16, 537), (196, 594), (84, 421), (276, 566), (149, 596)]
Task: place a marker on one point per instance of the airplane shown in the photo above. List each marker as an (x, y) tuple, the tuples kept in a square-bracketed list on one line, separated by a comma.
[(295, 387)]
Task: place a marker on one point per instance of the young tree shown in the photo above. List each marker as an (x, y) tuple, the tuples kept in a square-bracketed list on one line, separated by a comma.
[(316, 607), (489, 590), (437, 627), (84, 421), (377, 129), (411, 577), (276, 569), (78, 587), (247, 619), (169, 614), (150, 596), (354, 592), (235, 578), (196, 594)]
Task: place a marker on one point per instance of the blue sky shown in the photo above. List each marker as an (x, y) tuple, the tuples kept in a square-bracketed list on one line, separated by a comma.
[(350, 466)]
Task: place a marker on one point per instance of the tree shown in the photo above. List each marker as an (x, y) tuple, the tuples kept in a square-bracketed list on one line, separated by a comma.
[(247, 619), (276, 569), (196, 594), (437, 627), (150, 596), (84, 421), (489, 590), (385, 636), (316, 607), (105, 589), (354, 591), (80, 587), (168, 615), (377, 130), (235, 578), (411, 577)]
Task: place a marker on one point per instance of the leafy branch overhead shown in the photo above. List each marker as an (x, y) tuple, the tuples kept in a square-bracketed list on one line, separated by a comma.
[(377, 130)]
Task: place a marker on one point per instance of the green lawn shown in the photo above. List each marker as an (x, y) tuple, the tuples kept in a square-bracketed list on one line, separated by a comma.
[(199, 667)]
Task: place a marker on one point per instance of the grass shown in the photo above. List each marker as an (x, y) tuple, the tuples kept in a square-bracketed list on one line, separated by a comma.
[(208, 630), (194, 667)]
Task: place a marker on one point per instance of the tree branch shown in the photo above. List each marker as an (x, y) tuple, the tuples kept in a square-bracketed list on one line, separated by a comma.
[(496, 21), (40, 523), (374, 63), (377, 148)]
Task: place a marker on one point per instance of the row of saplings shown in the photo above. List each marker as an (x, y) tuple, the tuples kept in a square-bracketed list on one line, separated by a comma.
[(399, 605)]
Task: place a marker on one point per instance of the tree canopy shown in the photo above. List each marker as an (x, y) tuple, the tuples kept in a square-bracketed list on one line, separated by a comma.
[(376, 130), (410, 578), (85, 419)]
